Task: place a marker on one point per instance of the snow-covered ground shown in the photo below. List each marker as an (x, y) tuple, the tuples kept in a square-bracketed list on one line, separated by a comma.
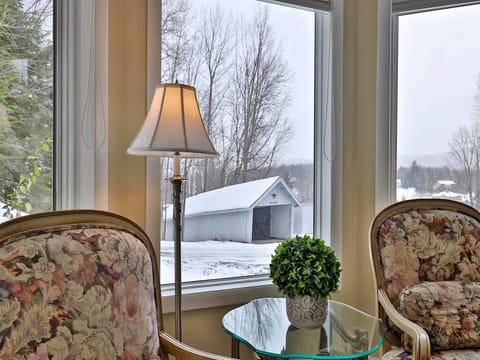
[(206, 260), (411, 193)]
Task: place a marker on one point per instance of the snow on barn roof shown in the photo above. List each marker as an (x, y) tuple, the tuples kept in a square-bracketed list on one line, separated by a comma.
[(233, 197)]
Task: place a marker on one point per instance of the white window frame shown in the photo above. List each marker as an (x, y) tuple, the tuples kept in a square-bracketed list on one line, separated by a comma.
[(387, 70), (80, 115), (81, 141), (327, 184)]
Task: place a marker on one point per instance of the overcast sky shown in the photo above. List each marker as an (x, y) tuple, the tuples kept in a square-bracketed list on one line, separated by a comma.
[(294, 29), (439, 64)]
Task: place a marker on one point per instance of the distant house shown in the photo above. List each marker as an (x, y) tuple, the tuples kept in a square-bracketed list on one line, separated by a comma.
[(247, 212), (443, 184)]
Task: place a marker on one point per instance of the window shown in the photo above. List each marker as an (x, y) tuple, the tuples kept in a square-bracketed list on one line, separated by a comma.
[(435, 101), (47, 134), (26, 107), (263, 76)]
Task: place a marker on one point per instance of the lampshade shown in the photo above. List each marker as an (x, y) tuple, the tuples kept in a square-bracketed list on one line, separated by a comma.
[(173, 126)]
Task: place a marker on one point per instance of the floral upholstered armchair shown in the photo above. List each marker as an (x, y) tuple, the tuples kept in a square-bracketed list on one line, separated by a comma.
[(426, 259), (81, 284)]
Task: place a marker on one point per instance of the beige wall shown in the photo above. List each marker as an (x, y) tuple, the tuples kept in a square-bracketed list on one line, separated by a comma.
[(127, 84), (359, 151), (127, 65)]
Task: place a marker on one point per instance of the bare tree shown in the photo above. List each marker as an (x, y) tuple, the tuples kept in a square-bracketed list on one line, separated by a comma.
[(464, 153), (180, 62), (215, 49), (259, 99), (176, 38), (241, 80), (476, 140), (476, 102)]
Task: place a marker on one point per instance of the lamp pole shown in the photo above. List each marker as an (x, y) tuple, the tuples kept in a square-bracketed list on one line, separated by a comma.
[(176, 181)]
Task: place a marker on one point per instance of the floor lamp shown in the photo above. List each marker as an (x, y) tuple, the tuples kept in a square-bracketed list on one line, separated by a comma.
[(174, 128)]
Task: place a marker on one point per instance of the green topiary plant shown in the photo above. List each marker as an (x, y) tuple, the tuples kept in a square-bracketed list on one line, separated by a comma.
[(305, 266)]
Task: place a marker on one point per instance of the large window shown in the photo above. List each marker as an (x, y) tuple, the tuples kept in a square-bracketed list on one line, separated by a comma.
[(26, 107), (436, 101), (48, 148), (263, 81)]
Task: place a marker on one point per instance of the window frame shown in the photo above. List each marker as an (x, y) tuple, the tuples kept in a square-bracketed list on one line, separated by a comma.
[(327, 184), (388, 13), (80, 78), (80, 104)]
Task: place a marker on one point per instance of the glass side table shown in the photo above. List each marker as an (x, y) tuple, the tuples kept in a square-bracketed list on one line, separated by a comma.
[(263, 326)]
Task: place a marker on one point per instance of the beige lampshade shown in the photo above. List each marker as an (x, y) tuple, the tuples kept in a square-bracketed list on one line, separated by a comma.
[(173, 126)]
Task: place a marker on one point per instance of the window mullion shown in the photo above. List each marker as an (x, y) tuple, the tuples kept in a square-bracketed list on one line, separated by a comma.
[(75, 89), (410, 6), (308, 4), (385, 129)]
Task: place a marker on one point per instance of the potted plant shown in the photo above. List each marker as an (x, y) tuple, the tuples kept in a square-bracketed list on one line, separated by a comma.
[(306, 271)]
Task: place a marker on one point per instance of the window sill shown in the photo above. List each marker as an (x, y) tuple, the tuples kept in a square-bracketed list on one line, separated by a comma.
[(208, 294)]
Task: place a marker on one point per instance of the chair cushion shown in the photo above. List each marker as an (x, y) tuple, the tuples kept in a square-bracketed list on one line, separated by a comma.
[(82, 293), (448, 310), (399, 354), (428, 245)]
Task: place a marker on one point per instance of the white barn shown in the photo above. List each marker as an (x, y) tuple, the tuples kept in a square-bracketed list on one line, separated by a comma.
[(256, 210)]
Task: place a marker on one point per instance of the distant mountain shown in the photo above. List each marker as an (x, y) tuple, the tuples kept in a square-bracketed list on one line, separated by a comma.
[(432, 160), (296, 161), (405, 160)]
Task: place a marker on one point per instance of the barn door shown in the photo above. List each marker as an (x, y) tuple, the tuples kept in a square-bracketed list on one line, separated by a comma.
[(261, 223)]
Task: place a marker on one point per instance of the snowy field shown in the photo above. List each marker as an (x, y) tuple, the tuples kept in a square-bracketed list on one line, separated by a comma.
[(216, 259), (220, 259), (411, 193)]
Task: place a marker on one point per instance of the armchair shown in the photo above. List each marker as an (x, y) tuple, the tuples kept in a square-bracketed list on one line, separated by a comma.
[(426, 260), (82, 284)]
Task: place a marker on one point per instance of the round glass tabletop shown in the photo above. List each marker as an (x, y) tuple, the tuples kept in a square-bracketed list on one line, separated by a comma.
[(262, 324)]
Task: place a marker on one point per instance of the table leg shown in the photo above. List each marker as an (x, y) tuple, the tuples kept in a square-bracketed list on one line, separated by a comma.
[(235, 348)]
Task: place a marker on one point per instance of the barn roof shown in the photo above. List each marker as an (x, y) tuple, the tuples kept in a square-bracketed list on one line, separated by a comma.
[(234, 197)]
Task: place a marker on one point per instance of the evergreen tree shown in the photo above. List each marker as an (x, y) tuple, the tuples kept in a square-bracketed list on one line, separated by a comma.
[(412, 176), (26, 104)]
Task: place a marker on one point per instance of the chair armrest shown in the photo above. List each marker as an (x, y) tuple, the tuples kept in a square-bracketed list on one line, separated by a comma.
[(184, 352), (421, 342)]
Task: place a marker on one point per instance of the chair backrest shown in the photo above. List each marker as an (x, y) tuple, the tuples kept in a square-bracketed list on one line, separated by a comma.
[(424, 240), (82, 283)]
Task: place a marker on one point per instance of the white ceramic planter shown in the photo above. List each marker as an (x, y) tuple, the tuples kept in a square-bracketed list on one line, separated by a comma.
[(306, 312)]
